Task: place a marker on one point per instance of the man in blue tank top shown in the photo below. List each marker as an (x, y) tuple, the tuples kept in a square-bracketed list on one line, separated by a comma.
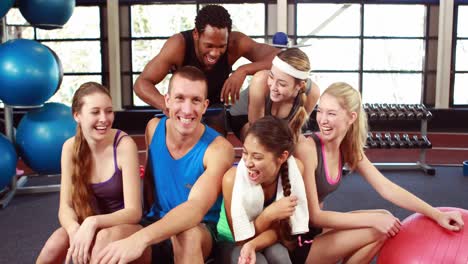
[(211, 47), (187, 161)]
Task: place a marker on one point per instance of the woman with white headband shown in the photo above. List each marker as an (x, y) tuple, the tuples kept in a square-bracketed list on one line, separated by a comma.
[(285, 91)]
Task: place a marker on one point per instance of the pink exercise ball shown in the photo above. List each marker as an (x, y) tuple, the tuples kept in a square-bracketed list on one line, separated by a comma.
[(421, 240)]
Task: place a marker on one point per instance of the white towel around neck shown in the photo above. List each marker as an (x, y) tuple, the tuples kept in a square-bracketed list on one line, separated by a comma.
[(248, 198)]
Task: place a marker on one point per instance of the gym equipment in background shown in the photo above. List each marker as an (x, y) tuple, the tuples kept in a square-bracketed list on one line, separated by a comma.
[(421, 240), (389, 112), (29, 73), (41, 134), (8, 160), (50, 14), (280, 39), (5, 6)]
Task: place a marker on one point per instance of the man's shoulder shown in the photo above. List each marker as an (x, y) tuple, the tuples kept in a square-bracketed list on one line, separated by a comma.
[(219, 145)]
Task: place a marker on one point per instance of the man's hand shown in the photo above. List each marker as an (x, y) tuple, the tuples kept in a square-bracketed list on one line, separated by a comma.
[(122, 251), (232, 86)]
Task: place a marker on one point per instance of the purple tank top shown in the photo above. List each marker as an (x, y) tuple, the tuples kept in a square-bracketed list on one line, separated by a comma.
[(108, 195)]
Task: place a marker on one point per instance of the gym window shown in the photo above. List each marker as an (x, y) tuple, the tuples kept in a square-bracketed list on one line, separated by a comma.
[(150, 25), (364, 45), (460, 81), (78, 45)]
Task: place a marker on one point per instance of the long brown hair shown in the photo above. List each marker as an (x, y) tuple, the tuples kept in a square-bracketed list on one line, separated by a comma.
[(81, 158), (299, 60), (354, 141), (276, 136)]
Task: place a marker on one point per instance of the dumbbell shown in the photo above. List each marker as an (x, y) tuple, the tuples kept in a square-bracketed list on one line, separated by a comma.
[(380, 113), (367, 108), (370, 141), (390, 142), (400, 143), (408, 141), (426, 114), (403, 109), (381, 141), (399, 114), (390, 112), (412, 108), (427, 143), (418, 142)]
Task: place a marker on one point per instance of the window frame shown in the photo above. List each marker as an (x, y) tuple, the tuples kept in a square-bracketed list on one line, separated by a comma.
[(425, 71), (128, 101)]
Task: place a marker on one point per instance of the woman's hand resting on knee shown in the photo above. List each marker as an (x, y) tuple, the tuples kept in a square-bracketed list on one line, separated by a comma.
[(386, 223), (247, 254), (81, 241)]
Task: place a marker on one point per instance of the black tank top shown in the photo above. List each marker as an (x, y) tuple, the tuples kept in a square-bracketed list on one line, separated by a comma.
[(324, 186), (215, 76), (292, 112), (295, 106)]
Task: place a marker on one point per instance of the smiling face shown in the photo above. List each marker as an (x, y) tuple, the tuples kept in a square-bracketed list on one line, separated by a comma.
[(95, 116), (187, 103), (333, 120), (283, 87), (210, 45), (262, 165)]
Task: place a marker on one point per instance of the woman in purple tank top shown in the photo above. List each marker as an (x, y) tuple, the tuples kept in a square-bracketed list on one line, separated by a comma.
[(100, 199), (352, 237)]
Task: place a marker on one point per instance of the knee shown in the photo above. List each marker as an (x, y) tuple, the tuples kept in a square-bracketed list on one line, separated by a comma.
[(55, 248), (190, 238), (383, 211), (277, 253), (103, 236)]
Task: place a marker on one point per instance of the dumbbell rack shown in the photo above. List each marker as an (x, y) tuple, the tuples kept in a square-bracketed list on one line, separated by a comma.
[(403, 112)]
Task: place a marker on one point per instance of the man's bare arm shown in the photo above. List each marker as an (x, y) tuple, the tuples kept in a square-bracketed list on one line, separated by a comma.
[(171, 54), (218, 159)]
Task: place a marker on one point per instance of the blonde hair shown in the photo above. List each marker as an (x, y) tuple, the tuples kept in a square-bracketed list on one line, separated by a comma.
[(81, 158), (299, 60), (354, 141)]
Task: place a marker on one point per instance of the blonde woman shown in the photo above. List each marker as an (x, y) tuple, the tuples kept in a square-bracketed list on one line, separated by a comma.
[(352, 237)]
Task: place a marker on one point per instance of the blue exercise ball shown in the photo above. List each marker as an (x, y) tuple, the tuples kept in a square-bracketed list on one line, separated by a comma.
[(8, 160), (41, 134), (280, 38), (5, 5), (47, 14), (29, 73)]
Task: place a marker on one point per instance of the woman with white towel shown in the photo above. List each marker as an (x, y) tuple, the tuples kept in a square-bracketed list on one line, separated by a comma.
[(264, 195), (351, 237)]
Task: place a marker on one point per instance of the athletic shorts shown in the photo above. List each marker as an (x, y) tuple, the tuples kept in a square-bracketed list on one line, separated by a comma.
[(163, 252)]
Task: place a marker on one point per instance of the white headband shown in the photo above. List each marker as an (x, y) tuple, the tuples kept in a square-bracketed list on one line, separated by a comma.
[(286, 68)]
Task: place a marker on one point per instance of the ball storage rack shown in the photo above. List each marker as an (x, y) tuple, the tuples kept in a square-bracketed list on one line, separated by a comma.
[(18, 183)]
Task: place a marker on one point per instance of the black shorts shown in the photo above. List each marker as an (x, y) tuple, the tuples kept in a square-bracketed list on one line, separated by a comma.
[(300, 253), (236, 123), (163, 252)]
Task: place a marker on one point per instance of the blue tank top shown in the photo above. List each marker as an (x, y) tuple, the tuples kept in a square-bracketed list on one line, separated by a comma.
[(108, 195), (174, 178)]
